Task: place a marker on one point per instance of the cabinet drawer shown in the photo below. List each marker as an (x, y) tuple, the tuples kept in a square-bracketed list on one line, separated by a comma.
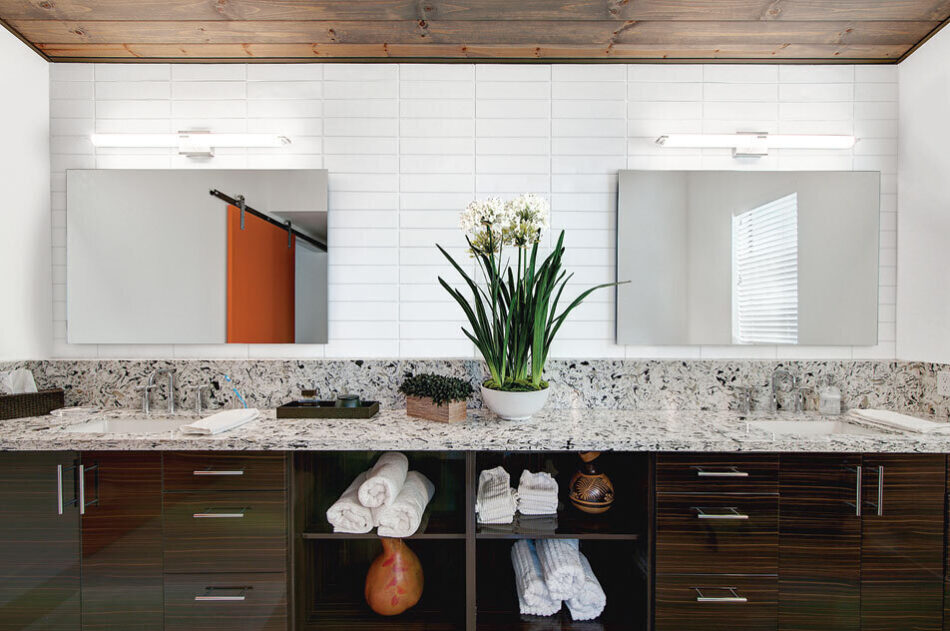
[(225, 532), (736, 534), (225, 602), (716, 603), (725, 473), (216, 471)]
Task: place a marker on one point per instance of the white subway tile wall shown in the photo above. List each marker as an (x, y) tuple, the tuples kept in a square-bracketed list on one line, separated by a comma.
[(407, 146)]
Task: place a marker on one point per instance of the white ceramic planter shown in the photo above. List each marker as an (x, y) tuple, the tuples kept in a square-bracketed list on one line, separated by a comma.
[(515, 406)]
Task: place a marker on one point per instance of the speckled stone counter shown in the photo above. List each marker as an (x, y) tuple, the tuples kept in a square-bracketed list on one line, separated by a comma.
[(558, 430)]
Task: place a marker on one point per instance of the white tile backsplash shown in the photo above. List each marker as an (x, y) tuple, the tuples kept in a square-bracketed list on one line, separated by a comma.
[(408, 146)]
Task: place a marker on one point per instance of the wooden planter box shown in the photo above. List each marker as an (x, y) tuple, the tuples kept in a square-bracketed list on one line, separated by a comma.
[(423, 407)]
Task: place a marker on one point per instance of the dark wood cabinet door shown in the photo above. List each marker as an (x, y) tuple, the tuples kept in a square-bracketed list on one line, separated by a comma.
[(820, 543), (39, 547), (122, 542), (902, 542)]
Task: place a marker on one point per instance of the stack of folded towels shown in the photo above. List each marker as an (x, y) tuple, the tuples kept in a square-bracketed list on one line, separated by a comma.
[(537, 493), (496, 502), (549, 571), (388, 496)]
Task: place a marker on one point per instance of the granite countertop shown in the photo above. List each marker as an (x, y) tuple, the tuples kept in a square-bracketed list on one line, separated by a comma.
[(556, 430)]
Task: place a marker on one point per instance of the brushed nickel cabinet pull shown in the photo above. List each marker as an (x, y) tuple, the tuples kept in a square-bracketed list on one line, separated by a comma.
[(732, 513), (209, 596), (858, 489), (210, 514), (59, 489), (733, 596), (731, 472), (880, 490), (82, 490), (210, 472)]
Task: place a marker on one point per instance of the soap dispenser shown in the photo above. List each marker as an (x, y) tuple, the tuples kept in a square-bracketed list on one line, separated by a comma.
[(829, 398)]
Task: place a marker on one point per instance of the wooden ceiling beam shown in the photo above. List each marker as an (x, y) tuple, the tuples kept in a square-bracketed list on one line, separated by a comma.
[(473, 32), (496, 10), (847, 53)]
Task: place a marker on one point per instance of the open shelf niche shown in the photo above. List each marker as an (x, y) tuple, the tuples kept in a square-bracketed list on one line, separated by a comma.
[(469, 582)]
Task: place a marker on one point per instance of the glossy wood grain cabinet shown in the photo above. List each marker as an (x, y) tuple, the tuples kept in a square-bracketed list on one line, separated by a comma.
[(122, 542), (39, 542), (226, 541), (902, 542), (716, 542)]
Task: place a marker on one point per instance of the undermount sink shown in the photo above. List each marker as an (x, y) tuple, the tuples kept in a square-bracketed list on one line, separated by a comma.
[(128, 426), (812, 428)]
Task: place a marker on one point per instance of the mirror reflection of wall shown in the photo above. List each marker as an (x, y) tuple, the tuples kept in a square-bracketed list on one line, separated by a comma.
[(154, 258), (748, 257)]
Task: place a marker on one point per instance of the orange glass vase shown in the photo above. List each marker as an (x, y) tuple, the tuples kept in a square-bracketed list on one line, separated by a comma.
[(394, 581)]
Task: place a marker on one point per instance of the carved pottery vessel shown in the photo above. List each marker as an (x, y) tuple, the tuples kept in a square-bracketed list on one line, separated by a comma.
[(394, 581), (590, 490)]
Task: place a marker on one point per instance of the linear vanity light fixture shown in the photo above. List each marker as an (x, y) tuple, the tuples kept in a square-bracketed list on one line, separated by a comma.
[(755, 144), (191, 143)]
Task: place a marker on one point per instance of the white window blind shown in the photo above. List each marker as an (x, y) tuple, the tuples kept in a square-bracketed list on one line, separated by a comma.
[(765, 273)]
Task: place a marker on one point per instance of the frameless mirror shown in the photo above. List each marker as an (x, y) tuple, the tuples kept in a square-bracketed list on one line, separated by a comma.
[(196, 256), (748, 257)]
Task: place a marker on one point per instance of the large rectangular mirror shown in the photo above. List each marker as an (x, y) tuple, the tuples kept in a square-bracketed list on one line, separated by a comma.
[(748, 257), (196, 256)]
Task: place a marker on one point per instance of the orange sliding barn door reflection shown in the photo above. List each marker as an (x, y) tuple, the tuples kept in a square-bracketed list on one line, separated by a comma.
[(260, 281)]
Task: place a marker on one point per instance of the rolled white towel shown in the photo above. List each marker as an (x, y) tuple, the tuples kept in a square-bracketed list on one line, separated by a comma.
[(402, 517), (591, 599), (533, 595), (495, 500), (347, 514), (384, 480), (221, 422), (561, 567)]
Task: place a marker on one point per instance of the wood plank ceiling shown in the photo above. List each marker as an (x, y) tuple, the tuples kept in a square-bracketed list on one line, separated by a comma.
[(823, 31)]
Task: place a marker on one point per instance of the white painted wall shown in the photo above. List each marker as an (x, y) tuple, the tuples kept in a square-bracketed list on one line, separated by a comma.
[(923, 300), (407, 146), (25, 302)]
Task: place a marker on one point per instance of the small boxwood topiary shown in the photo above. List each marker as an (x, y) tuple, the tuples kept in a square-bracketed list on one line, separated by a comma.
[(439, 388)]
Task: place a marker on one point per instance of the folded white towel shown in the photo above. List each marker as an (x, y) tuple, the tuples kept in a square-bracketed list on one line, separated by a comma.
[(384, 480), (347, 514), (402, 517), (902, 421), (591, 599), (221, 422), (533, 595), (495, 500), (537, 493), (561, 567)]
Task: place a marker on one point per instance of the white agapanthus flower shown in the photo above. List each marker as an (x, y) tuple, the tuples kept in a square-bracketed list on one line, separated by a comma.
[(529, 217), (519, 221)]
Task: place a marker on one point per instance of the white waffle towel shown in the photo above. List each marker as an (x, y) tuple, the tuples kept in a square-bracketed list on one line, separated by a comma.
[(347, 514), (902, 422), (384, 480), (591, 599), (495, 500), (561, 567), (402, 517), (533, 595), (221, 422), (537, 493)]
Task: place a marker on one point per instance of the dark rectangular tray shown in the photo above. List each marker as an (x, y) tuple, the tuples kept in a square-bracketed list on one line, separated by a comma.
[(326, 409)]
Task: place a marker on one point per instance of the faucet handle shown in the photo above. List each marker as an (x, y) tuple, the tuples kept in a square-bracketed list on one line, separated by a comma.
[(197, 388), (145, 389), (744, 397)]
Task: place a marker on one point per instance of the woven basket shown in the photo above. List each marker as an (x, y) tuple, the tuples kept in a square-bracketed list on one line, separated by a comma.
[(32, 404)]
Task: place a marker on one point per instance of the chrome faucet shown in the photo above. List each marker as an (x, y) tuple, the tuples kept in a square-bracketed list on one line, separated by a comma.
[(171, 387), (779, 375)]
